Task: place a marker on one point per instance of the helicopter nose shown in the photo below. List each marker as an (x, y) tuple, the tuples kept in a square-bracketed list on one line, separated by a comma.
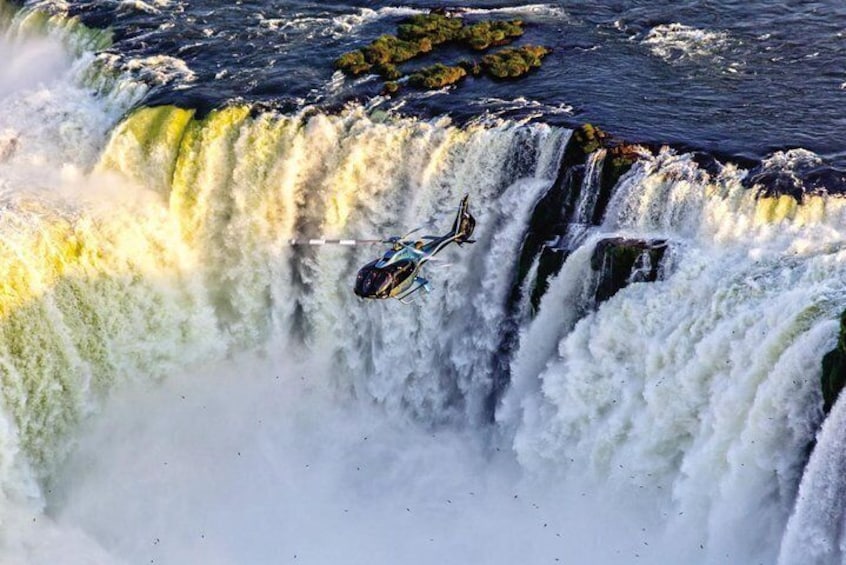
[(372, 282)]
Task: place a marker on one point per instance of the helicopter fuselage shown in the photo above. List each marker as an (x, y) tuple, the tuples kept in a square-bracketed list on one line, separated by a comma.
[(396, 273)]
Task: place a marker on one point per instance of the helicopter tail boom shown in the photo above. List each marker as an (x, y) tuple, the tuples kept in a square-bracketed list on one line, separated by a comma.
[(465, 223)]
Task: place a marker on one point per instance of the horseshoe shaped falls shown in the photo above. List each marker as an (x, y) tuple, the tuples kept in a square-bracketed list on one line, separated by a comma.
[(637, 361)]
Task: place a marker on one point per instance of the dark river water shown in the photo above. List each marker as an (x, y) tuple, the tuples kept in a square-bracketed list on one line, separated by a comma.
[(734, 78)]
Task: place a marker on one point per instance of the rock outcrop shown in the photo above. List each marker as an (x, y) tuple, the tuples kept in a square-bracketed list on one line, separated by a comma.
[(834, 369), (620, 262)]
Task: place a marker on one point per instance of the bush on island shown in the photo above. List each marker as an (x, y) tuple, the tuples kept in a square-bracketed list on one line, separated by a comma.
[(384, 53), (437, 28), (589, 138), (352, 63), (437, 76), (390, 49), (514, 62), (390, 88), (491, 33), (388, 71)]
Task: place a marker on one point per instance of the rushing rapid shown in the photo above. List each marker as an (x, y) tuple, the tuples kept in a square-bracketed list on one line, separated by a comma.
[(180, 384)]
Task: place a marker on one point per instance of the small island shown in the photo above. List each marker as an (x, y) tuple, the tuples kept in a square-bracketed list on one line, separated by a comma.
[(423, 33)]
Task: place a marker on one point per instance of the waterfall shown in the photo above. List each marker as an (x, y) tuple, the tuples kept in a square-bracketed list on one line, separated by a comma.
[(703, 387), (582, 218), (144, 244), (814, 533)]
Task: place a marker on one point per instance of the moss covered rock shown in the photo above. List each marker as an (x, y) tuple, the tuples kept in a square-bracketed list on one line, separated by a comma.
[(389, 49), (624, 155), (589, 138), (382, 56), (620, 159), (390, 88), (388, 71), (834, 369), (514, 62), (353, 63), (437, 76), (440, 28), (419, 34), (483, 35), (437, 28)]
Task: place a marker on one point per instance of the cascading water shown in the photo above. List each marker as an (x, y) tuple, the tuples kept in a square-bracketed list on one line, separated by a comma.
[(583, 214), (703, 386), (151, 303)]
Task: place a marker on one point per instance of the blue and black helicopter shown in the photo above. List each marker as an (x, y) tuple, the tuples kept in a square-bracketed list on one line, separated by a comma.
[(397, 273)]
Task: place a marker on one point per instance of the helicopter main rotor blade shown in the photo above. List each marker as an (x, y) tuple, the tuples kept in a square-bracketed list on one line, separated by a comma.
[(336, 241)]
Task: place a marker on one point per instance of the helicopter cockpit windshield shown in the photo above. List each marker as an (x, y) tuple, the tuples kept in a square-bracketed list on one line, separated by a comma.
[(378, 282)]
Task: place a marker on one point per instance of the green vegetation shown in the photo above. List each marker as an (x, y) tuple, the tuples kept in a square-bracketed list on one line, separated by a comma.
[(623, 156), (387, 49), (589, 138), (352, 63), (389, 71), (384, 53), (390, 88), (437, 28), (620, 157), (437, 76), (421, 33), (514, 62), (491, 33)]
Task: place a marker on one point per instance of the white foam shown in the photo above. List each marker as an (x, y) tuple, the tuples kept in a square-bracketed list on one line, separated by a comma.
[(499, 106), (141, 6), (159, 69), (337, 26), (677, 42), (532, 10)]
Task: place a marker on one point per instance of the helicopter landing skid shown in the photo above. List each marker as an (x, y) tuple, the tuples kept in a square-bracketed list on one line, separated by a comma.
[(419, 282)]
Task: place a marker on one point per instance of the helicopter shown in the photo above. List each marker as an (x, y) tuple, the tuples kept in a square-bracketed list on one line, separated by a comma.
[(397, 273)]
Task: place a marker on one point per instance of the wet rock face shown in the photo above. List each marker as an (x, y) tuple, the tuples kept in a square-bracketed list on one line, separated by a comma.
[(620, 261), (555, 212), (797, 173), (834, 369)]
